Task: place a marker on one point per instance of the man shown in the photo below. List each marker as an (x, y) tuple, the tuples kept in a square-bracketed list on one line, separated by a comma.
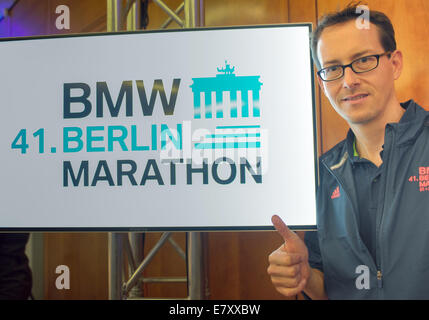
[(373, 199)]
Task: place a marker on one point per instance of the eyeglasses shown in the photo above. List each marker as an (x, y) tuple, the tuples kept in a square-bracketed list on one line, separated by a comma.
[(360, 65)]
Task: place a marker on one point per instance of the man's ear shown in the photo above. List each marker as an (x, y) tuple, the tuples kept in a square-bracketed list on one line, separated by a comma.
[(397, 63)]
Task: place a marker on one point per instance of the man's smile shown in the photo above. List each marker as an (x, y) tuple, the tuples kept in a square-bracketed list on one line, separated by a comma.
[(356, 98)]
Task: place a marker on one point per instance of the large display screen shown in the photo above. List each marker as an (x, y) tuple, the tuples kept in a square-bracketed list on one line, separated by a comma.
[(200, 129)]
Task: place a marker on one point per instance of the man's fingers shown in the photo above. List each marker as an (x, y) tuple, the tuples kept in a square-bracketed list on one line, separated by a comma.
[(284, 271), (288, 292), (286, 263), (289, 286), (302, 285), (287, 282), (281, 227), (282, 258)]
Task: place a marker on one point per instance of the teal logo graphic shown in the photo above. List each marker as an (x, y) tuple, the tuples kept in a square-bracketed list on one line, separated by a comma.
[(226, 81), (243, 103), (227, 137)]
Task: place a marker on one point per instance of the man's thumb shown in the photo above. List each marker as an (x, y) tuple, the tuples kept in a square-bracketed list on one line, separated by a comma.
[(281, 227)]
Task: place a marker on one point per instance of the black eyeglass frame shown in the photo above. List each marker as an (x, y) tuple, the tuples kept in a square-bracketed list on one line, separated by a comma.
[(351, 66)]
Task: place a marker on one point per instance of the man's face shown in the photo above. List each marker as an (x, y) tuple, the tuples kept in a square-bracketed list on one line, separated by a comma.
[(364, 97)]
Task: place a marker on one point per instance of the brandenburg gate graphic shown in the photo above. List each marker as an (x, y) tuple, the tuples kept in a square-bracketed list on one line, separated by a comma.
[(226, 80)]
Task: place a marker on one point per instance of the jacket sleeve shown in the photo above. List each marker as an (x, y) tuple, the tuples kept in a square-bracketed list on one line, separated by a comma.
[(311, 237), (314, 257)]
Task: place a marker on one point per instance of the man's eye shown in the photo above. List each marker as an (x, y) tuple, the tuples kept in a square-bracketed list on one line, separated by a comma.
[(332, 69), (363, 60)]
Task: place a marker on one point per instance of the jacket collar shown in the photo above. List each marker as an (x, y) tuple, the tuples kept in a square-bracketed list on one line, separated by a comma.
[(411, 123), (408, 129)]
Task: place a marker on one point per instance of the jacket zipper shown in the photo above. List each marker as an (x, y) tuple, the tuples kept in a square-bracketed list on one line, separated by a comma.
[(346, 193), (379, 279), (390, 132)]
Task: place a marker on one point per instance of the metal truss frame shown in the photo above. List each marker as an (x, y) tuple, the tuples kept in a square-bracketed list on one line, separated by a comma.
[(120, 15)]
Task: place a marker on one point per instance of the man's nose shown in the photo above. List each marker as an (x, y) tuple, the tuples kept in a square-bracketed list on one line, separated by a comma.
[(350, 78)]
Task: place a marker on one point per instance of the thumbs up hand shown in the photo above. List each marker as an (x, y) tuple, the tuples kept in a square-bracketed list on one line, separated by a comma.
[(289, 268)]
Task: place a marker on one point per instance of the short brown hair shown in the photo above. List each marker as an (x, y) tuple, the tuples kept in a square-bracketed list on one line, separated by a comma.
[(351, 12)]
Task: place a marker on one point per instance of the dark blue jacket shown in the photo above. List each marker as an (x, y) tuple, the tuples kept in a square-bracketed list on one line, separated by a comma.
[(401, 267)]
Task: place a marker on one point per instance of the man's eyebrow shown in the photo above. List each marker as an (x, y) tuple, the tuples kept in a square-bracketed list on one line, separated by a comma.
[(356, 55)]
